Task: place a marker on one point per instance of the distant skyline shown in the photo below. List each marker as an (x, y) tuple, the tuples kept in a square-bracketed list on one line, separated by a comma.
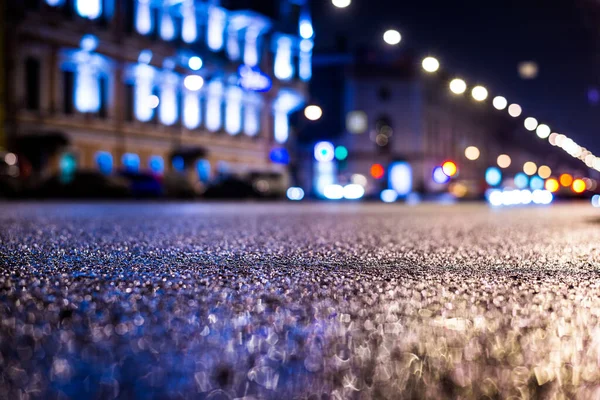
[(483, 42)]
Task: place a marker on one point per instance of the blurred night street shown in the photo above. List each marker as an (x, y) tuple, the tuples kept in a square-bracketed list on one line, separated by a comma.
[(312, 300)]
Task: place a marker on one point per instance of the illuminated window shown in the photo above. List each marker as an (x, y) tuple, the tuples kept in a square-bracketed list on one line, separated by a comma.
[(178, 163), (156, 164), (251, 46), (203, 169), (84, 72), (167, 108), (213, 105), (191, 109), (305, 69), (189, 28), (286, 102), (91, 9), (104, 162), (252, 108), (233, 110), (67, 166), (144, 18), (281, 126), (283, 69), (233, 44), (131, 162), (216, 28), (167, 26)]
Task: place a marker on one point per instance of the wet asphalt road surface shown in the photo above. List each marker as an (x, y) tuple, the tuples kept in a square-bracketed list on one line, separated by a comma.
[(283, 301)]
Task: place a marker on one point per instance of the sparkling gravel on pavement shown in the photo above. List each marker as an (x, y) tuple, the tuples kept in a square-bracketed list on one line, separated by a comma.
[(282, 301)]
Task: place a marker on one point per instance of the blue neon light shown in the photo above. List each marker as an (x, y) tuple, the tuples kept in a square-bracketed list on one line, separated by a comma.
[(157, 164), (131, 162), (493, 176), (104, 161), (279, 155), (252, 78), (400, 178), (439, 176)]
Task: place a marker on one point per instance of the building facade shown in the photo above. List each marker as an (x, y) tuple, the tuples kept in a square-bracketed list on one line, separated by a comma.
[(392, 124), (130, 83)]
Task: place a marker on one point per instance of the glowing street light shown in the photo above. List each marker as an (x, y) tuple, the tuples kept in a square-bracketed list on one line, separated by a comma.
[(431, 64), (499, 103), (530, 168), (458, 86), (504, 161), (193, 83), (472, 153), (578, 186), (392, 37), (543, 131), (552, 185), (514, 110), (341, 3), (313, 113), (531, 123), (544, 172), (479, 93), (450, 168)]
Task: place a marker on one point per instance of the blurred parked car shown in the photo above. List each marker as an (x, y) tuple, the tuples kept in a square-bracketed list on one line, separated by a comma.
[(252, 186), (82, 185), (143, 185)]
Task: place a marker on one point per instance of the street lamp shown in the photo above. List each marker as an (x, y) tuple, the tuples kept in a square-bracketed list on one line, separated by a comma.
[(472, 153), (341, 3), (313, 112), (458, 86), (531, 123), (392, 37), (514, 110), (431, 64), (479, 93), (499, 103)]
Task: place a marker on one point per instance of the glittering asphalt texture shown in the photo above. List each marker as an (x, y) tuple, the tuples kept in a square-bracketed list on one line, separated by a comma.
[(283, 301)]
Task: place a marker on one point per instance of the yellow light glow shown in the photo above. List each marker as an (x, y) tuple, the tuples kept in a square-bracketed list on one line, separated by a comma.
[(313, 113), (552, 185), (458, 86), (578, 186), (530, 168), (458, 189), (449, 168), (431, 64), (499, 103), (528, 69), (479, 93), (531, 123), (472, 153), (514, 110), (544, 172), (566, 180), (504, 161)]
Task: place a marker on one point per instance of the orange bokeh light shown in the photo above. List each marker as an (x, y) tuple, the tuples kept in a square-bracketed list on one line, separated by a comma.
[(552, 185), (449, 168), (578, 186), (377, 171), (566, 180)]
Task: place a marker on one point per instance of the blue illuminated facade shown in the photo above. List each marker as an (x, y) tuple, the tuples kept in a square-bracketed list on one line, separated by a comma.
[(194, 70)]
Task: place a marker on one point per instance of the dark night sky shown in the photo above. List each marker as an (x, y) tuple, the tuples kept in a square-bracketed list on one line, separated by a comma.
[(483, 41)]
